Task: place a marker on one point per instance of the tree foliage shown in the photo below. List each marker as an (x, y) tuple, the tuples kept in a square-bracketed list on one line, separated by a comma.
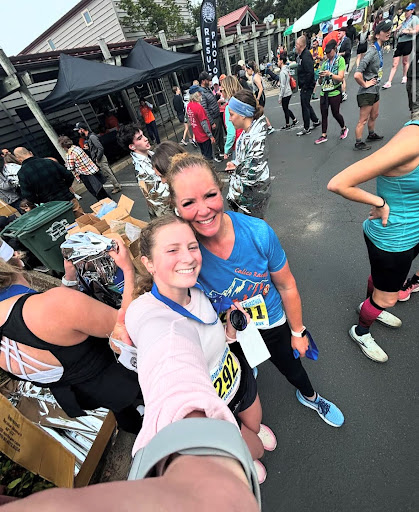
[(150, 17)]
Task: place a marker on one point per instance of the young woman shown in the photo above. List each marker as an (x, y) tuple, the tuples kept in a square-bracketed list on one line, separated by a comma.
[(250, 181), (229, 87), (242, 258), (170, 306), (285, 91), (253, 72), (58, 339), (332, 73), (391, 231), (362, 43)]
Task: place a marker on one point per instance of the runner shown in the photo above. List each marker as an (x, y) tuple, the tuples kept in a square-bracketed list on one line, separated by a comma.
[(344, 50), (318, 56), (391, 231), (243, 259), (331, 76), (250, 182), (253, 72), (406, 34), (170, 305), (285, 91), (200, 124), (368, 76)]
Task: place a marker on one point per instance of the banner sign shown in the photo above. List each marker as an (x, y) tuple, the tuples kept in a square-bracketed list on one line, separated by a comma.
[(209, 36), (357, 17)]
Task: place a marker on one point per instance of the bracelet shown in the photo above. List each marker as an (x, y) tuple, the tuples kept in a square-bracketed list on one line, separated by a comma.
[(384, 203), (230, 340), (69, 283)]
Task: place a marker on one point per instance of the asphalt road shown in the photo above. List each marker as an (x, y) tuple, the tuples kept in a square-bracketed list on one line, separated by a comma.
[(371, 462)]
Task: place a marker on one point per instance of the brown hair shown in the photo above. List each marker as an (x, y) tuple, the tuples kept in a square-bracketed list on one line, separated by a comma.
[(147, 241), (163, 155), (10, 159), (247, 97), (9, 272), (65, 142), (183, 161), (231, 86)]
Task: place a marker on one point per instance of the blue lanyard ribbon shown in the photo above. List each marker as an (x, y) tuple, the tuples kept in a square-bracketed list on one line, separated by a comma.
[(380, 53), (178, 308), (329, 66)]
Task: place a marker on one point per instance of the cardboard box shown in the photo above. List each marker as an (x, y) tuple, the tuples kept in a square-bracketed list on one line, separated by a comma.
[(28, 445), (122, 210), (6, 210)]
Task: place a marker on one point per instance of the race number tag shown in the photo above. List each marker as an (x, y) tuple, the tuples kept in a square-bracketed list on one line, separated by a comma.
[(379, 75), (256, 308), (225, 375)]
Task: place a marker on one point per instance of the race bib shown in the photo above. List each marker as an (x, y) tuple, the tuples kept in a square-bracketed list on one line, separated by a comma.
[(226, 375), (257, 310), (328, 85), (380, 75)]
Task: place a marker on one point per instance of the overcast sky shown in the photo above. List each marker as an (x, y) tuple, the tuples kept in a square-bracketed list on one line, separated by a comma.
[(22, 21)]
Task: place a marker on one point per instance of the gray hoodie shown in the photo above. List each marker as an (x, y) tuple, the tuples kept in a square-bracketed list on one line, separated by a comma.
[(284, 82)]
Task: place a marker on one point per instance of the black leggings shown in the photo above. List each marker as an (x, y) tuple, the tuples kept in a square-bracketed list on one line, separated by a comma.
[(278, 341), (287, 112), (334, 102)]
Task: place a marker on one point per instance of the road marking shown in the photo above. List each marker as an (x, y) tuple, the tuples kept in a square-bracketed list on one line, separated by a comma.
[(128, 184), (294, 104)]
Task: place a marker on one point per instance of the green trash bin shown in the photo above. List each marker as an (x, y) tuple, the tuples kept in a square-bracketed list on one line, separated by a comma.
[(43, 230), (293, 72)]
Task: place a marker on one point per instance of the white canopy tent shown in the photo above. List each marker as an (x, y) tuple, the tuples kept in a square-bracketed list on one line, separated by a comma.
[(326, 10)]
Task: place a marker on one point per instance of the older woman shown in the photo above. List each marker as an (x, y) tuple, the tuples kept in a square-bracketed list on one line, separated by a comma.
[(250, 181)]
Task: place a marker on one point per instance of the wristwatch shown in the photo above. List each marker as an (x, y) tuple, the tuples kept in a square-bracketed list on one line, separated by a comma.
[(300, 334)]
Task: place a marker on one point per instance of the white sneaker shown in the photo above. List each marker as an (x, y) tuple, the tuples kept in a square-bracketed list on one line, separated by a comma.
[(267, 437), (368, 345), (386, 318)]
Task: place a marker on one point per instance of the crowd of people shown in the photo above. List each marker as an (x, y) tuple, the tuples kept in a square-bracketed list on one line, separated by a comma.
[(199, 261)]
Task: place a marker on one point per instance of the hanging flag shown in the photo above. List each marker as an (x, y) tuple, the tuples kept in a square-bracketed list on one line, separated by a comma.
[(326, 10), (209, 36)]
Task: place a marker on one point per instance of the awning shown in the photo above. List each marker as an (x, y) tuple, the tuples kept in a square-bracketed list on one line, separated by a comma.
[(325, 10), (159, 62), (81, 80)]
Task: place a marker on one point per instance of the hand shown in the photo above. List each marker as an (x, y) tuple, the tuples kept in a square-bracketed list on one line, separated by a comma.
[(226, 156), (370, 83), (122, 255), (280, 101), (212, 140), (300, 344), (230, 330), (120, 332), (380, 213), (230, 166), (70, 272)]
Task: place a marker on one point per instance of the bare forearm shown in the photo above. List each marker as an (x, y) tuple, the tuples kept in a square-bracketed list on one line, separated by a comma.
[(292, 306), (355, 194), (129, 285)]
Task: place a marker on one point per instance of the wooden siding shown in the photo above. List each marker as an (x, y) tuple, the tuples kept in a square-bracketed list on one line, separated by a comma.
[(75, 33)]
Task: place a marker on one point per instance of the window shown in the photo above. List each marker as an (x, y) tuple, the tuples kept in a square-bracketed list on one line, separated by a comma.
[(51, 44), (87, 18)]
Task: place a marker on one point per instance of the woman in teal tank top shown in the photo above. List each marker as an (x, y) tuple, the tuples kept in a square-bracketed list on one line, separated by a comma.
[(391, 231)]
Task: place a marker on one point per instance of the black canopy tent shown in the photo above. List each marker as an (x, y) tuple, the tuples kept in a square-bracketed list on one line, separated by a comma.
[(158, 63), (81, 80)]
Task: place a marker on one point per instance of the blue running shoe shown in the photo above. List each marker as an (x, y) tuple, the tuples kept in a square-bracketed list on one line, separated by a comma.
[(327, 411)]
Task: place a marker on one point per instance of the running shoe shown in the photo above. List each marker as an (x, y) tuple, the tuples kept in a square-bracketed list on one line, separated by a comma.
[(271, 129), (321, 139), (407, 289), (327, 411), (316, 124), (286, 127), (218, 159), (267, 437), (368, 346), (194, 144), (375, 136), (387, 85), (386, 318), (344, 96), (344, 133), (303, 132), (260, 471), (295, 122), (183, 141), (361, 146), (404, 80)]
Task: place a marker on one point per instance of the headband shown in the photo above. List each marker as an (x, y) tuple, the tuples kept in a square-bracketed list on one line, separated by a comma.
[(6, 252), (241, 108)]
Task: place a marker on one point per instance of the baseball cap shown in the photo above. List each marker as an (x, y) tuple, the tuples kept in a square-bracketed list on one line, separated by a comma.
[(331, 45), (383, 26), (203, 76), (194, 88), (80, 126), (342, 29), (411, 7), (241, 63)]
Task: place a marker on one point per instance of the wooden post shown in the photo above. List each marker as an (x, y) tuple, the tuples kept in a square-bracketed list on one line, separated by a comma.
[(125, 98), (241, 48), (32, 104), (165, 46), (255, 43), (225, 51), (269, 42), (287, 38), (198, 35), (279, 32)]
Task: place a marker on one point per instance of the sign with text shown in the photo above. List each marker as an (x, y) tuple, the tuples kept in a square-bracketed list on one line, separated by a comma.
[(209, 36)]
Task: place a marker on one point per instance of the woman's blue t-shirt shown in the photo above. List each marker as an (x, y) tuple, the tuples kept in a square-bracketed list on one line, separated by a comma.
[(246, 273)]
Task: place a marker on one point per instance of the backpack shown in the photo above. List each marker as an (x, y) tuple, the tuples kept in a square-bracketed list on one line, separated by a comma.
[(293, 84)]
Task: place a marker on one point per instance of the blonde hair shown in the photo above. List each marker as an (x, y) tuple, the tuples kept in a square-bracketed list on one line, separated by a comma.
[(147, 241), (9, 272), (195, 96), (183, 161), (231, 86)]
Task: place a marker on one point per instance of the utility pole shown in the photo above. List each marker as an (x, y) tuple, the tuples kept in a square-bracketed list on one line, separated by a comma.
[(30, 101)]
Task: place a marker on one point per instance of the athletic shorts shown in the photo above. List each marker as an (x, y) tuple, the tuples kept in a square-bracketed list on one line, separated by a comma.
[(402, 49), (182, 118), (367, 99), (247, 392), (389, 270), (262, 99)]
